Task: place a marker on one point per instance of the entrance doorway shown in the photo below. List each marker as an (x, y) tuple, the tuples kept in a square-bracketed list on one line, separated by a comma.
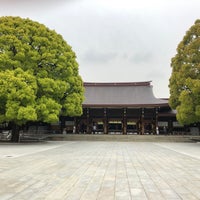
[(132, 127), (115, 127), (100, 127)]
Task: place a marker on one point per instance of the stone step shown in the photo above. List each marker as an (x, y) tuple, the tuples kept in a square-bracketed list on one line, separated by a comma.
[(124, 138)]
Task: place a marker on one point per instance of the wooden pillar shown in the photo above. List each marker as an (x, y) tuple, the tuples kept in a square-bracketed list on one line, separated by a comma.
[(156, 131), (170, 127), (105, 122), (142, 122), (124, 122), (75, 127), (88, 121)]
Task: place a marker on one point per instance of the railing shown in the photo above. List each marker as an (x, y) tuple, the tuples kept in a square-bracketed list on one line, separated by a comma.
[(32, 136), (6, 135)]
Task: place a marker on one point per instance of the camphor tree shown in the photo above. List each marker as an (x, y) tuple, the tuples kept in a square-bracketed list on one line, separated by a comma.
[(39, 78), (185, 78)]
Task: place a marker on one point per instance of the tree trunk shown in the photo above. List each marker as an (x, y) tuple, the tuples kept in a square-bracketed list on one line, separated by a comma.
[(15, 133)]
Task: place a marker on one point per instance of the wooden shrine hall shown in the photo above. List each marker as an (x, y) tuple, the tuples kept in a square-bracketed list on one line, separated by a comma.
[(123, 108)]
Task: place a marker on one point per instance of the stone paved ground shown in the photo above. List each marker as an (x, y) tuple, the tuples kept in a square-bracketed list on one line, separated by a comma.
[(100, 170)]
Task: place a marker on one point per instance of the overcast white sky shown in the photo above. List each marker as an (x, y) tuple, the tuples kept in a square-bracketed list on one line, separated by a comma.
[(116, 40)]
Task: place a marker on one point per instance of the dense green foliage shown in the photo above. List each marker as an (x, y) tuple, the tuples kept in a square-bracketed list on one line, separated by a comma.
[(39, 77), (185, 78)]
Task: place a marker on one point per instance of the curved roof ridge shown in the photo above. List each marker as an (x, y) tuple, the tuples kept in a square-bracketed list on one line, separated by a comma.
[(144, 83), (131, 94)]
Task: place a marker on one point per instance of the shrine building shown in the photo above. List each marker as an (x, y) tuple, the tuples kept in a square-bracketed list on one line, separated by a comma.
[(123, 108)]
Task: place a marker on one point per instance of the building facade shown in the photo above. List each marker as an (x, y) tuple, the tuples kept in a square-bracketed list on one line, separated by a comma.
[(123, 108)]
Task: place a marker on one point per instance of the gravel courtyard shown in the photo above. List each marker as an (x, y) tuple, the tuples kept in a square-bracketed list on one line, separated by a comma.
[(80, 170)]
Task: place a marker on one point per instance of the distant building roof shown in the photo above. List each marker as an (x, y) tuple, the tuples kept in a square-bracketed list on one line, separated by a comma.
[(121, 94)]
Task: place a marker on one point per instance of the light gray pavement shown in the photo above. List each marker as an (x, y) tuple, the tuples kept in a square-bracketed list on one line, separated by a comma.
[(100, 170)]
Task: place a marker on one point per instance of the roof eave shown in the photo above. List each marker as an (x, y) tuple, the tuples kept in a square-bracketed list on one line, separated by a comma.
[(124, 105)]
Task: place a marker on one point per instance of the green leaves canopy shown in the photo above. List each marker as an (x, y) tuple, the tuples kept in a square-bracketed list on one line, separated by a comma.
[(185, 78), (39, 77)]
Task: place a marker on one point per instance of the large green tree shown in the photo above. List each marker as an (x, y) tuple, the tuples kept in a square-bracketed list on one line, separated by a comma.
[(39, 78), (185, 78)]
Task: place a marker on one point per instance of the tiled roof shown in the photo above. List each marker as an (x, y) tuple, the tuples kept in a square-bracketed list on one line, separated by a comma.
[(128, 94)]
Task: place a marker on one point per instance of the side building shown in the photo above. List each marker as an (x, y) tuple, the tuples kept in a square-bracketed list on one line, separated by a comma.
[(123, 108)]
